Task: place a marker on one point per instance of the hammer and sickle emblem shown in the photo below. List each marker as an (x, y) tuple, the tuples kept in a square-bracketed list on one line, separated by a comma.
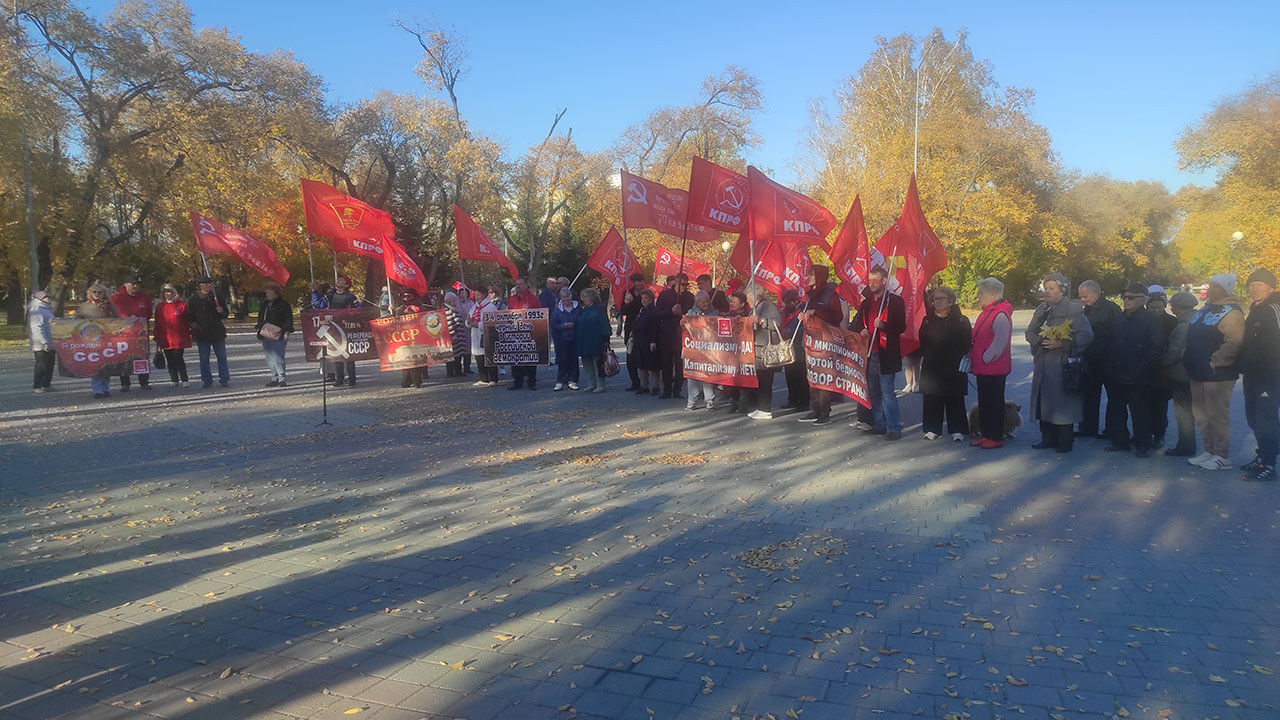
[(637, 193)]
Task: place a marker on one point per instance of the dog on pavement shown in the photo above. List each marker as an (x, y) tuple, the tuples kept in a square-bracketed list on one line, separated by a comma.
[(1012, 420)]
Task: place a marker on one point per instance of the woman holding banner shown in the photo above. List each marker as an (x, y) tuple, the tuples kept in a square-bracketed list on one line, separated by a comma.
[(739, 402), (341, 298), (564, 333), (592, 337), (173, 333), (410, 303), (700, 392), (275, 322), (95, 308), (465, 305), (475, 321), (458, 335)]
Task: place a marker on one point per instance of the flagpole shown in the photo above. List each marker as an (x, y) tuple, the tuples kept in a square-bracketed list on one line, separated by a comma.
[(311, 261), (915, 160), (335, 268), (575, 277), (884, 299), (204, 261)]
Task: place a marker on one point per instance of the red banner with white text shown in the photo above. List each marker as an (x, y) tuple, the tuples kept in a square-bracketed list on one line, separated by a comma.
[(100, 348), (720, 350), (409, 341), (213, 236), (666, 262), (647, 204), (836, 360), (614, 259), (718, 197)]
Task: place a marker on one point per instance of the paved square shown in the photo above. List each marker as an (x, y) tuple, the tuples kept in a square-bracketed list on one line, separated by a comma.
[(478, 553)]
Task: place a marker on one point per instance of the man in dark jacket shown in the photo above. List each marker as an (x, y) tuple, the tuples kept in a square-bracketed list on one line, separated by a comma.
[(1259, 362), (1162, 387), (673, 302), (719, 300), (882, 318), (205, 313), (822, 302), (1101, 314), (550, 294), (631, 308), (1137, 344)]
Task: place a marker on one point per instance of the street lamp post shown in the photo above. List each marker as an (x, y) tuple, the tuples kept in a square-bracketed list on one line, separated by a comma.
[(1236, 237)]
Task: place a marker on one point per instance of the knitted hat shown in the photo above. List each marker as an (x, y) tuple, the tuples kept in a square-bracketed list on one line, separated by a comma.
[(1226, 281), (1062, 281), (1183, 299), (40, 295), (1264, 276)]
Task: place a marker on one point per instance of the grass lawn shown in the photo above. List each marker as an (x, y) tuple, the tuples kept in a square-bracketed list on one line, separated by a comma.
[(13, 335)]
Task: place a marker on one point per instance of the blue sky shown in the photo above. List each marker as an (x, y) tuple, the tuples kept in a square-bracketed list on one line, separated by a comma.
[(1116, 82)]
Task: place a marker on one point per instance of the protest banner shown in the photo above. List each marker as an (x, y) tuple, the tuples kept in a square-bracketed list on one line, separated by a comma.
[(343, 335), (409, 341), (836, 360), (647, 204), (517, 337), (720, 350), (101, 348)]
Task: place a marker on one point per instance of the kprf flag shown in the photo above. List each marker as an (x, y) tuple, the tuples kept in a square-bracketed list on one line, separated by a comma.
[(666, 262), (913, 249), (647, 204), (851, 254), (338, 216), (779, 266), (368, 247), (402, 268), (218, 237), (782, 214), (718, 197), (614, 260), (475, 244)]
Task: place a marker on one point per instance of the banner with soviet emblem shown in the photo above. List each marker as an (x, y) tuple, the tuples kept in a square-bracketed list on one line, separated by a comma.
[(409, 341), (342, 335), (335, 215), (100, 348), (647, 204), (720, 350)]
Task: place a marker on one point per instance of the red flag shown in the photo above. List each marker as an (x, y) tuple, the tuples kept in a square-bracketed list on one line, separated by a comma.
[(216, 237), (334, 215), (718, 197), (615, 260), (779, 213), (913, 249), (666, 262), (474, 244), (851, 255), (647, 204), (368, 247), (779, 266), (402, 268)]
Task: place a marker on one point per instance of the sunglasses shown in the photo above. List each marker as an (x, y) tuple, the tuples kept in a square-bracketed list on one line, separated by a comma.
[(1135, 297)]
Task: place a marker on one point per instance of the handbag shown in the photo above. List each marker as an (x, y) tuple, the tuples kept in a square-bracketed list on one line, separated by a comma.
[(271, 331), (611, 365), (779, 353), (158, 361), (1072, 375)]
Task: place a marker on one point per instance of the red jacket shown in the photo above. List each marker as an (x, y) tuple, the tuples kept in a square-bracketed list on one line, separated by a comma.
[(172, 330), (523, 302), (132, 305)]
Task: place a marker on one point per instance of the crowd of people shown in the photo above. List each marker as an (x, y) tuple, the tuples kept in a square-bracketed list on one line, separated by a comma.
[(1146, 353)]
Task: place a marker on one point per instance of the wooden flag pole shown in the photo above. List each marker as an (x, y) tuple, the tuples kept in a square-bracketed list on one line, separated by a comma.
[(311, 261)]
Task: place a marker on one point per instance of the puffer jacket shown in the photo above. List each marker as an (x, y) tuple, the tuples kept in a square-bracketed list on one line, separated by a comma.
[(1213, 342)]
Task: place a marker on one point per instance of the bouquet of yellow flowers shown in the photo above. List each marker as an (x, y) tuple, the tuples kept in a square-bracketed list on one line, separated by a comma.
[(1056, 332)]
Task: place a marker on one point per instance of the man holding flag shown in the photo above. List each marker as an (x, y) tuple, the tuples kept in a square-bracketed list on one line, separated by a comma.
[(882, 318)]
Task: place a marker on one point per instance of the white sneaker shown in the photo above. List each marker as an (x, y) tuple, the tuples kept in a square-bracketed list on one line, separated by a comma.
[(558, 387), (573, 386), (479, 383), (957, 437), (859, 425), (931, 436), (760, 415), (1216, 463), (1199, 458)]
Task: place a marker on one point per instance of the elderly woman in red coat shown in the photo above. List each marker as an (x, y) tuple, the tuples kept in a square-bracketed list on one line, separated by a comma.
[(173, 333)]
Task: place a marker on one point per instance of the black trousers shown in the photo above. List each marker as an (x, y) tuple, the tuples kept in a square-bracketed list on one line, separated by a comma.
[(1091, 393), (1126, 401), (764, 390), (1263, 416), (796, 375), (143, 380), (672, 368), (952, 406), (466, 363), (1063, 436), (177, 365), (488, 373), (524, 374), (343, 370), (43, 376), (991, 406), (1158, 401)]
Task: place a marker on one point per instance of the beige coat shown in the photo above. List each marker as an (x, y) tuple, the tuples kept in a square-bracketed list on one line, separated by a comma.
[(1049, 402)]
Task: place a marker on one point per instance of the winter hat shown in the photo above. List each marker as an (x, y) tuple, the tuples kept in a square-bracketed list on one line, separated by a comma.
[(1183, 299), (1226, 281), (1062, 281), (132, 278), (1264, 276), (1136, 289), (40, 295), (1155, 291)]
